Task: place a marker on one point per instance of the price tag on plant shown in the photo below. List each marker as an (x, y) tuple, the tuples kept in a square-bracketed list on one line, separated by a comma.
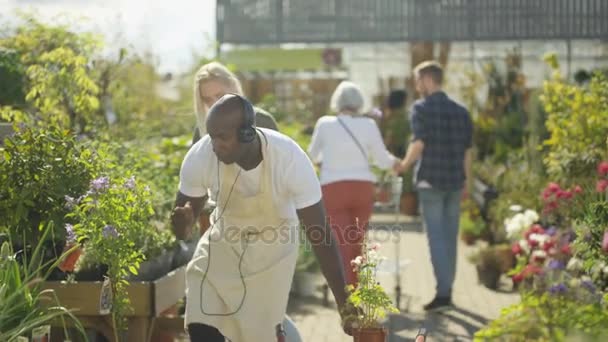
[(41, 334), (105, 297)]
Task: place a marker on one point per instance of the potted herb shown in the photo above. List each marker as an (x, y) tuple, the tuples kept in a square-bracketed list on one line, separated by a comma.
[(369, 297)]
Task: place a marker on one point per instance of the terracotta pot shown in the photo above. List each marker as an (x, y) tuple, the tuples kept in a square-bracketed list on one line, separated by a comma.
[(409, 204), (69, 263), (489, 277), (506, 258), (370, 335)]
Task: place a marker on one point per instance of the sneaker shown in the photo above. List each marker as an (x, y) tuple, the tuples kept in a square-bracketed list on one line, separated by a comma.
[(439, 303)]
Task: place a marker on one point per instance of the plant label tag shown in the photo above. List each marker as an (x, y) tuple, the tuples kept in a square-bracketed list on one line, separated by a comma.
[(105, 297), (41, 334)]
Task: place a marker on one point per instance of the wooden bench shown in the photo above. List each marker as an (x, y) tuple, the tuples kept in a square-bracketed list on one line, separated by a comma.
[(149, 301)]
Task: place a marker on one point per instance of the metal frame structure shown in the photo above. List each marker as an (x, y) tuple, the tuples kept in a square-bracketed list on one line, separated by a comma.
[(257, 22)]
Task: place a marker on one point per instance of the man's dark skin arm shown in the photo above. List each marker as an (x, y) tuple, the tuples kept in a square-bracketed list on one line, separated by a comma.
[(319, 233), (184, 213)]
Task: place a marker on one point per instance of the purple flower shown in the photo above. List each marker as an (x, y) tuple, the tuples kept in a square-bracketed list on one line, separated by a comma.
[(109, 231), (130, 183), (70, 236), (551, 231), (556, 265), (558, 288), (588, 284), (100, 184)]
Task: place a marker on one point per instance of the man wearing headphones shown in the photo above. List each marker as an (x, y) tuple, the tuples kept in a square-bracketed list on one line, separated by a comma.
[(265, 187)]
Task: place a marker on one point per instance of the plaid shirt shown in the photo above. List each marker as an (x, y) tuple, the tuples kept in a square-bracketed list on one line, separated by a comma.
[(446, 129)]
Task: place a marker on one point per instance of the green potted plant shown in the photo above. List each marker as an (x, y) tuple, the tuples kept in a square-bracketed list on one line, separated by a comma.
[(369, 297)]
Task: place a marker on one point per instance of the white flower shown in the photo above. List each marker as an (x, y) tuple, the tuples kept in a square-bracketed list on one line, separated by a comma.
[(574, 264), (539, 254), (356, 261), (516, 224), (530, 216), (516, 208), (541, 238)]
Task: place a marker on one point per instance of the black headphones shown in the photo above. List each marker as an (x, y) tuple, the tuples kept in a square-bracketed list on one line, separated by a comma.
[(247, 132)]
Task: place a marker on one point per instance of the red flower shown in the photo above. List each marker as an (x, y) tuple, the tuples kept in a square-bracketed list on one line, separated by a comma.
[(548, 245), (602, 168), (553, 187), (567, 194), (532, 243), (566, 249), (517, 278), (578, 190), (532, 269), (601, 185), (538, 229), (516, 249)]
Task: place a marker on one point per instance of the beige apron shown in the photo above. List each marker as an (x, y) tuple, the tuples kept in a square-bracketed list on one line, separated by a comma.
[(245, 312)]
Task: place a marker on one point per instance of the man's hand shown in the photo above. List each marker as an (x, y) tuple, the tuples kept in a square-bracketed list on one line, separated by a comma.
[(183, 220), (348, 314), (397, 167)]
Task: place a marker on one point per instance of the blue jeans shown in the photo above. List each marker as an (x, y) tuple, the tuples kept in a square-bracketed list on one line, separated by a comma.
[(441, 215)]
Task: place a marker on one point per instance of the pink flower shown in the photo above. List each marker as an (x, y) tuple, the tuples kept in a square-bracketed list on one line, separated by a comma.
[(601, 185), (516, 249), (517, 278), (553, 187), (548, 245), (578, 190), (605, 242), (602, 168)]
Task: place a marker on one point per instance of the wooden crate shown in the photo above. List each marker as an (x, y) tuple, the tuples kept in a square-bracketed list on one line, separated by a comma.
[(148, 300)]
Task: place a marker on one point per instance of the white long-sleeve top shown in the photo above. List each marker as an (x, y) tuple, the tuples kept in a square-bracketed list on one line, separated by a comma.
[(340, 157)]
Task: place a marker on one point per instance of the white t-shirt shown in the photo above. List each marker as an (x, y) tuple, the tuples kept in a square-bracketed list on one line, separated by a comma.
[(340, 157), (294, 182)]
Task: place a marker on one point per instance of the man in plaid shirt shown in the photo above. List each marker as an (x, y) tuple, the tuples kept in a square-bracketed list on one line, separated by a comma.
[(441, 151)]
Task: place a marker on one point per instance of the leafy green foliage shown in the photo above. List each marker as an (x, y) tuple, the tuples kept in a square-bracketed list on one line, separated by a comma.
[(12, 77), (59, 85), (548, 317), (112, 219), (368, 295), (23, 304), (576, 121), (40, 167)]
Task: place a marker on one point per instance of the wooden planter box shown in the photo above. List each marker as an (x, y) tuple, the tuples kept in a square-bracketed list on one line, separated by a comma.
[(149, 299)]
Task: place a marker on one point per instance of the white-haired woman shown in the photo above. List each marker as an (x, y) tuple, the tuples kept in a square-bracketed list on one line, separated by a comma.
[(345, 145), (212, 81)]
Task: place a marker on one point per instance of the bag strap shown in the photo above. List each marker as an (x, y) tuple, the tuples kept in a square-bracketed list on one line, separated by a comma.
[(354, 139)]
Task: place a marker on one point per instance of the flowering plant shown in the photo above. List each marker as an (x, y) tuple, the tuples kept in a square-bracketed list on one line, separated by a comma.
[(112, 218), (368, 296)]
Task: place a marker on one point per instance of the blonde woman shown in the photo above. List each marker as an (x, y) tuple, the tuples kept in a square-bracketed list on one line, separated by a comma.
[(345, 145), (212, 81)]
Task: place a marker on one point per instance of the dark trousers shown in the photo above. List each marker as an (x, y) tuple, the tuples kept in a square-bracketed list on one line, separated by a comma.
[(204, 333)]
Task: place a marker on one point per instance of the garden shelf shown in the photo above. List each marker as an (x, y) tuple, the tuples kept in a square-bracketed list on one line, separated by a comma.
[(149, 300)]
